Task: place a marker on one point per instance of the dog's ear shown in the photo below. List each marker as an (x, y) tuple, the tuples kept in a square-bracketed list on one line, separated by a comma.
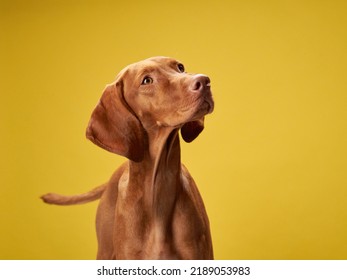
[(191, 130), (114, 127)]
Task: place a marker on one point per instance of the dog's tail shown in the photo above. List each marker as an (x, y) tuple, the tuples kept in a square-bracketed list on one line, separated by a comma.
[(58, 199)]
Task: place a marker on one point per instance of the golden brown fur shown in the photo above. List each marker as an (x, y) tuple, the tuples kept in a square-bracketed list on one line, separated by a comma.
[(151, 207)]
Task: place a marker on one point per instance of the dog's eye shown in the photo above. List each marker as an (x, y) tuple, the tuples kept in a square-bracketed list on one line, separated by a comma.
[(180, 67), (147, 80)]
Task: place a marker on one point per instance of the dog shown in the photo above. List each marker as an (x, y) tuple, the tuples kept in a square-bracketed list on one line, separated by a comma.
[(151, 207)]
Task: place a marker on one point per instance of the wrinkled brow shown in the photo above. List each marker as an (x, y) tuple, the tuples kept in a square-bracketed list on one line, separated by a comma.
[(144, 70), (147, 70)]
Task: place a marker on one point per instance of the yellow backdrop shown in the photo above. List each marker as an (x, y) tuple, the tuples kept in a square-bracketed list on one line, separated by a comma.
[(271, 164)]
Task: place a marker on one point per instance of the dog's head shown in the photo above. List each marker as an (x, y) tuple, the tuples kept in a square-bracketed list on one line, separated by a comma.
[(147, 95)]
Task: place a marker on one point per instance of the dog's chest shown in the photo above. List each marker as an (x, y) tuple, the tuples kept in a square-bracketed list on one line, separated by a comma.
[(140, 235), (165, 226)]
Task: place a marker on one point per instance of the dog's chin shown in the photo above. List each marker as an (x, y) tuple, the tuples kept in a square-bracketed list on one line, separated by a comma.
[(209, 104), (205, 107)]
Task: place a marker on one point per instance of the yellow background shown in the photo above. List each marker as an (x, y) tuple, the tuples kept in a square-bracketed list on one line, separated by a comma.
[(271, 164)]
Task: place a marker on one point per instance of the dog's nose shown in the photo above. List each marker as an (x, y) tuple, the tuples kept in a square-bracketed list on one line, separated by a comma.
[(200, 82)]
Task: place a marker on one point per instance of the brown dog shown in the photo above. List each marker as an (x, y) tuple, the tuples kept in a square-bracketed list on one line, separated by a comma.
[(151, 207)]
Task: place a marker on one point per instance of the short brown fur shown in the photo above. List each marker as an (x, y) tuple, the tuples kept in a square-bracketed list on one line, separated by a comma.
[(151, 207)]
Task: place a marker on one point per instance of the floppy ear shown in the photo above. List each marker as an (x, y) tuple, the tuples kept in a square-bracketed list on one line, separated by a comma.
[(114, 127), (191, 130)]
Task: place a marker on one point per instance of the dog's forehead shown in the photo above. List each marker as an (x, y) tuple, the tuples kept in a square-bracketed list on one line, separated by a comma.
[(151, 63), (161, 60)]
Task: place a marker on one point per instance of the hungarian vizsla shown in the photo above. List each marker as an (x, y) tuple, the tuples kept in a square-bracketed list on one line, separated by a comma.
[(151, 207)]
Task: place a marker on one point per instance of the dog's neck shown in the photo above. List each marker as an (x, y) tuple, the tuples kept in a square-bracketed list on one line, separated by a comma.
[(157, 176)]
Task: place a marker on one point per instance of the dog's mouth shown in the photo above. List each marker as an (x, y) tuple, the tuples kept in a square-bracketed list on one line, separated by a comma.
[(207, 103), (195, 109), (210, 104)]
